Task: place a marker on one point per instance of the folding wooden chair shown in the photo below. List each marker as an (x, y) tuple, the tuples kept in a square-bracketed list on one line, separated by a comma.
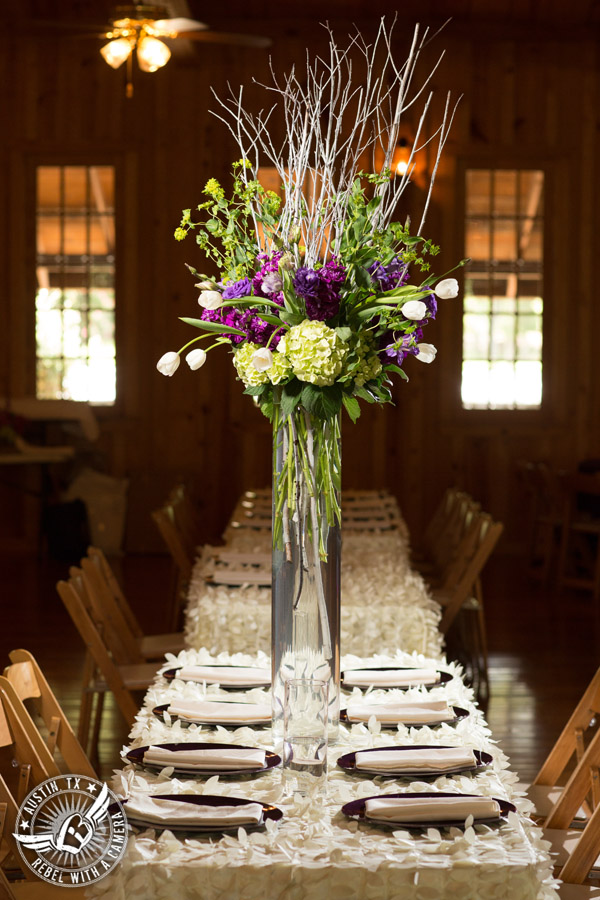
[(31, 888), (103, 671), (29, 683), (150, 646), (558, 807), (464, 595), (30, 758), (179, 526), (444, 562)]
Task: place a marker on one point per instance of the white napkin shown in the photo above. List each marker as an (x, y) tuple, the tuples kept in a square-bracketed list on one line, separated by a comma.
[(225, 758), (441, 759), (206, 711), (390, 677), (230, 675), (409, 712), (431, 809), (146, 808)]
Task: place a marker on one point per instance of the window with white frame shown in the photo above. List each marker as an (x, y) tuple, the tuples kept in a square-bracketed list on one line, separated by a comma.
[(503, 299), (75, 297)]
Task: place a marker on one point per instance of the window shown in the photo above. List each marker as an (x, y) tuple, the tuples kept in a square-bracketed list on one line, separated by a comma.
[(75, 299), (503, 305)]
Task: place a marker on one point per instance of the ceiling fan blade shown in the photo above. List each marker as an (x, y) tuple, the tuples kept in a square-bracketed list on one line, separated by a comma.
[(168, 26), (223, 37)]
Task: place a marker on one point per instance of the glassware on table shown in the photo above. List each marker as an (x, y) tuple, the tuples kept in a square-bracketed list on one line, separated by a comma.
[(305, 733)]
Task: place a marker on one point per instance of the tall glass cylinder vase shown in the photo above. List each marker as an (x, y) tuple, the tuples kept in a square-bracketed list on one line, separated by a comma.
[(306, 556)]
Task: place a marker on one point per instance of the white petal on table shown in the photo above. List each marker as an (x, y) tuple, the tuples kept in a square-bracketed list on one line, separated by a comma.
[(390, 677), (442, 759), (229, 675), (145, 808), (224, 758), (407, 713), (431, 809), (205, 711)]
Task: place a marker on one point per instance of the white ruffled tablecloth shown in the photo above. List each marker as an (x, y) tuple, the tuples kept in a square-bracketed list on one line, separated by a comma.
[(385, 604), (316, 853)]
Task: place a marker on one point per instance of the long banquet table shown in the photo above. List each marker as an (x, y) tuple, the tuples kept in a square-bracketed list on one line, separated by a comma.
[(315, 851)]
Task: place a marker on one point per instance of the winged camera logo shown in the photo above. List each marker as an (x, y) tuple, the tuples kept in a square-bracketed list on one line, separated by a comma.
[(71, 830)]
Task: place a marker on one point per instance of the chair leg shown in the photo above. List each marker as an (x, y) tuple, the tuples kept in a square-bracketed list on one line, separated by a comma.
[(87, 700), (94, 754)]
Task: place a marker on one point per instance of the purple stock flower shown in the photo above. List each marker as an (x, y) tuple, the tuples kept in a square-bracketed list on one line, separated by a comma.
[(319, 288), (255, 329), (389, 276)]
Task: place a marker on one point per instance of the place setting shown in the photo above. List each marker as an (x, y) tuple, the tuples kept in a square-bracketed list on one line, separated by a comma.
[(393, 677), (230, 678), (422, 810), (215, 712), (423, 761), (203, 759), (410, 713), (198, 814)]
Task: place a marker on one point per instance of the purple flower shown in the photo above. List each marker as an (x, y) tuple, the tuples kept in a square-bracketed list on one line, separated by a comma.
[(319, 288), (270, 266), (432, 305), (255, 329), (235, 289), (389, 276), (395, 349)]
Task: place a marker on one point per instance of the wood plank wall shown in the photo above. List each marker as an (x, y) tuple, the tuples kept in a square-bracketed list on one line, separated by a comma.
[(529, 78)]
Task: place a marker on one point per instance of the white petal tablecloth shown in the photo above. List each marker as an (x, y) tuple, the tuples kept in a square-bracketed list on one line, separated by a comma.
[(316, 853), (384, 603)]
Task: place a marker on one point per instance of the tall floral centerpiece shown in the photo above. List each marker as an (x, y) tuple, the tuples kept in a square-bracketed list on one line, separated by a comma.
[(321, 294)]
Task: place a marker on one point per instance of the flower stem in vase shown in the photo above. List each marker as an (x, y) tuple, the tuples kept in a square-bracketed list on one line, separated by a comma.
[(306, 556)]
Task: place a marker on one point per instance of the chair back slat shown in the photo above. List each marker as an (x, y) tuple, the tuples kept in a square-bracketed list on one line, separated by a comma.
[(93, 641), (105, 569), (115, 627)]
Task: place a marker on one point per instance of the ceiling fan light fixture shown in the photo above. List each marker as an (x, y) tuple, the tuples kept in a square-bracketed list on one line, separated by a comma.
[(116, 52), (152, 54)]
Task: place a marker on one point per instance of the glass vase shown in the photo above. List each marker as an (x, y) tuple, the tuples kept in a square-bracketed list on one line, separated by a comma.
[(306, 557)]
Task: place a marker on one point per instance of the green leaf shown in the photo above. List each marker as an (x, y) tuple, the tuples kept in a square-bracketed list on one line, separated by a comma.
[(290, 397), (255, 390), (352, 406), (364, 394), (212, 326), (272, 320), (290, 318), (344, 333), (394, 368), (213, 225)]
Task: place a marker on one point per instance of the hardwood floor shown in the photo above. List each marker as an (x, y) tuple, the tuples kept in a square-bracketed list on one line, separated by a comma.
[(543, 649)]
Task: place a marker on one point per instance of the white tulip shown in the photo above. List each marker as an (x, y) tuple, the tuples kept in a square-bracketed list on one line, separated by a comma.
[(426, 352), (262, 359), (414, 309), (196, 358), (446, 289), (168, 363), (206, 285), (210, 299)]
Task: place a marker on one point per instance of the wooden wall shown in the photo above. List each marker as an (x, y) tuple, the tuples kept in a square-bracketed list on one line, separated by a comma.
[(528, 73)]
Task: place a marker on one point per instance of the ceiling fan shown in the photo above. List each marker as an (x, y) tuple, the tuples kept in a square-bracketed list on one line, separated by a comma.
[(142, 29)]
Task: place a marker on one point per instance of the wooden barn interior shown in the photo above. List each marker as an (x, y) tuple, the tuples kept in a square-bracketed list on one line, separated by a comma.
[(527, 78)]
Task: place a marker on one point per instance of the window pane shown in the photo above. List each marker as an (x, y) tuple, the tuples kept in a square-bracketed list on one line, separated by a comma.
[(75, 233), (503, 305)]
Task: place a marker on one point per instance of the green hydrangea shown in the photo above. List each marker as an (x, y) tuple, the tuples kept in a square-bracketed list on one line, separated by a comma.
[(368, 364), (280, 370), (242, 360), (315, 351)]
